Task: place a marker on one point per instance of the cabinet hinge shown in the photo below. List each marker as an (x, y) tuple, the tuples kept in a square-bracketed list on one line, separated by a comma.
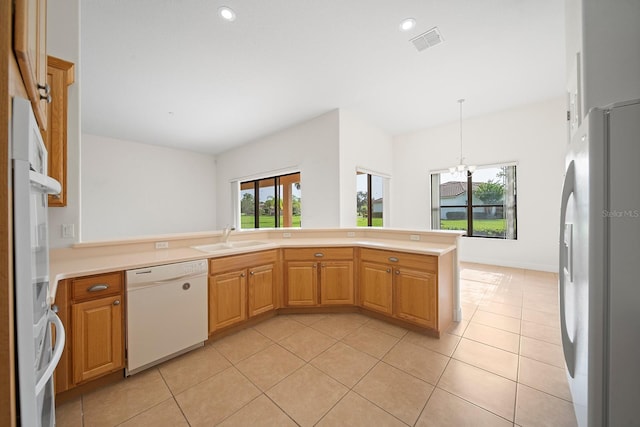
[(568, 116)]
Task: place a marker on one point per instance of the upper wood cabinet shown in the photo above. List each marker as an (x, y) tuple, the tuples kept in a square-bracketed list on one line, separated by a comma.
[(60, 75), (30, 46)]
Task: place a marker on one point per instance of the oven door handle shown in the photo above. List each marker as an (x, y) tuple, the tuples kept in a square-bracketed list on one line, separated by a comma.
[(44, 183), (57, 352)]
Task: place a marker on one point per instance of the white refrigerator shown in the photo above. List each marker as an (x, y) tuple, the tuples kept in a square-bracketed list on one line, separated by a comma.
[(599, 280)]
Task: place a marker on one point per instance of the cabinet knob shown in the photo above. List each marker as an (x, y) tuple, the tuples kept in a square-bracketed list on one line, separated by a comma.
[(318, 255), (315, 265), (116, 302), (252, 273), (186, 286), (54, 308), (388, 270), (393, 259), (397, 271), (45, 87), (47, 92), (242, 274)]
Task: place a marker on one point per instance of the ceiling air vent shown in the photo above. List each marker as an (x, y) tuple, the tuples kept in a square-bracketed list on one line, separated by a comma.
[(427, 39)]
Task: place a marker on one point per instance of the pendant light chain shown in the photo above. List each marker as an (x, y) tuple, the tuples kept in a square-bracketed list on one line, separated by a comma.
[(460, 101)]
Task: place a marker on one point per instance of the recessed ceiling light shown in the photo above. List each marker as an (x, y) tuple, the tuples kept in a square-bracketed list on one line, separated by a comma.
[(227, 13), (407, 24)]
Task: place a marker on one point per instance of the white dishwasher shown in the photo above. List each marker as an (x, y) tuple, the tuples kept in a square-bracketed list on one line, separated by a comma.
[(166, 312)]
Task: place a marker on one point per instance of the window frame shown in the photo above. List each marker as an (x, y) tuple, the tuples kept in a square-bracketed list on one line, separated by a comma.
[(256, 198), (370, 199), (470, 206)]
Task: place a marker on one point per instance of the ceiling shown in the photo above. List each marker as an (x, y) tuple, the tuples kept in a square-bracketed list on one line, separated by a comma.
[(172, 73)]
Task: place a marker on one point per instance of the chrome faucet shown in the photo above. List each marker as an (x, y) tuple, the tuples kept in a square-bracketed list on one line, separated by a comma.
[(226, 232)]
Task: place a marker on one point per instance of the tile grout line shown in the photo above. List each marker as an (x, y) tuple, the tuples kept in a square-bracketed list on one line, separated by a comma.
[(173, 396)]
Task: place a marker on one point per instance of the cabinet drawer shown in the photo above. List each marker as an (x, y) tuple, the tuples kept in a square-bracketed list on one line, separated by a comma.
[(401, 259), (96, 286), (307, 254), (237, 262)]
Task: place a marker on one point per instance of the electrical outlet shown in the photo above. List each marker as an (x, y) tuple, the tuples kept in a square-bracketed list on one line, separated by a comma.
[(162, 245), (415, 237), (351, 234), (68, 231), (286, 235)]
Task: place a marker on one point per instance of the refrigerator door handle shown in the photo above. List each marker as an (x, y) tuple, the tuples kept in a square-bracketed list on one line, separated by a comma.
[(57, 352), (568, 346)]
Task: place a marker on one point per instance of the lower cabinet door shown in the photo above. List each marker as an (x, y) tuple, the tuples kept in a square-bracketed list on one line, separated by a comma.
[(97, 338), (376, 287), (336, 282), (301, 283), (227, 299), (416, 299), (261, 295)]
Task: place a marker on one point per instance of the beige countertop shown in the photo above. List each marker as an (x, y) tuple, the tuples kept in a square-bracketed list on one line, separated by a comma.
[(102, 257)]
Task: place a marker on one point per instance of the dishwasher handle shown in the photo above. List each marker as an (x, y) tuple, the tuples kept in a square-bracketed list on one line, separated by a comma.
[(178, 278), (153, 283)]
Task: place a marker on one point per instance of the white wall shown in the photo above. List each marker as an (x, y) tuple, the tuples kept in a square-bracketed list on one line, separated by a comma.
[(534, 136), (63, 41), (362, 145), (610, 52), (132, 189), (310, 147)]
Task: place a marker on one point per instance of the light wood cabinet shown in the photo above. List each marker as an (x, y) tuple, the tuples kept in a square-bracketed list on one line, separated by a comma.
[(241, 287), (401, 285), (97, 337), (30, 46), (92, 312), (336, 282), (60, 75), (261, 284), (376, 287), (301, 283), (319, 276), (227, 299), (416, 297)]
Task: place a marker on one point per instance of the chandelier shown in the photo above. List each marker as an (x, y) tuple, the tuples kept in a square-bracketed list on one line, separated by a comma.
[(461, 167)]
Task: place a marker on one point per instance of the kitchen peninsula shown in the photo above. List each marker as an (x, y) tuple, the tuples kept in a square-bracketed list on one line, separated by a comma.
[(407, 277)]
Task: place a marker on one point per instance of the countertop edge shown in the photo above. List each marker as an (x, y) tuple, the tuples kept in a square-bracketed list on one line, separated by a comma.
[(61, 269)]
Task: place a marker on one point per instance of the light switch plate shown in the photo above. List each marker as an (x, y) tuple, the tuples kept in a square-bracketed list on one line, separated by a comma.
[(68, 231), (286, 235), (351, 234), (415, 237), (162, 245)]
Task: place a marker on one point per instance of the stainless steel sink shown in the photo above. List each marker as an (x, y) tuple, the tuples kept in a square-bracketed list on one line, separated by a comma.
[(217, 247)]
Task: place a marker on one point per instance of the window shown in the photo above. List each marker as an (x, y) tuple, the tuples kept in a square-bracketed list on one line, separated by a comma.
[(369, 199), (483, 203), (271, 202)]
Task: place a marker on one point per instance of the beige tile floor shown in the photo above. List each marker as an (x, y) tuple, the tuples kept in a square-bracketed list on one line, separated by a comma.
[(502, 365)]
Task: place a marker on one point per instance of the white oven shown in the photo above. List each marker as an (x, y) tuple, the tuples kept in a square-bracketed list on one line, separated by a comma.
[(36, 359)]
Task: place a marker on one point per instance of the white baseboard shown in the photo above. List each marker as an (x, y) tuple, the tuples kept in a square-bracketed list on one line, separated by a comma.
[(512, 264)]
